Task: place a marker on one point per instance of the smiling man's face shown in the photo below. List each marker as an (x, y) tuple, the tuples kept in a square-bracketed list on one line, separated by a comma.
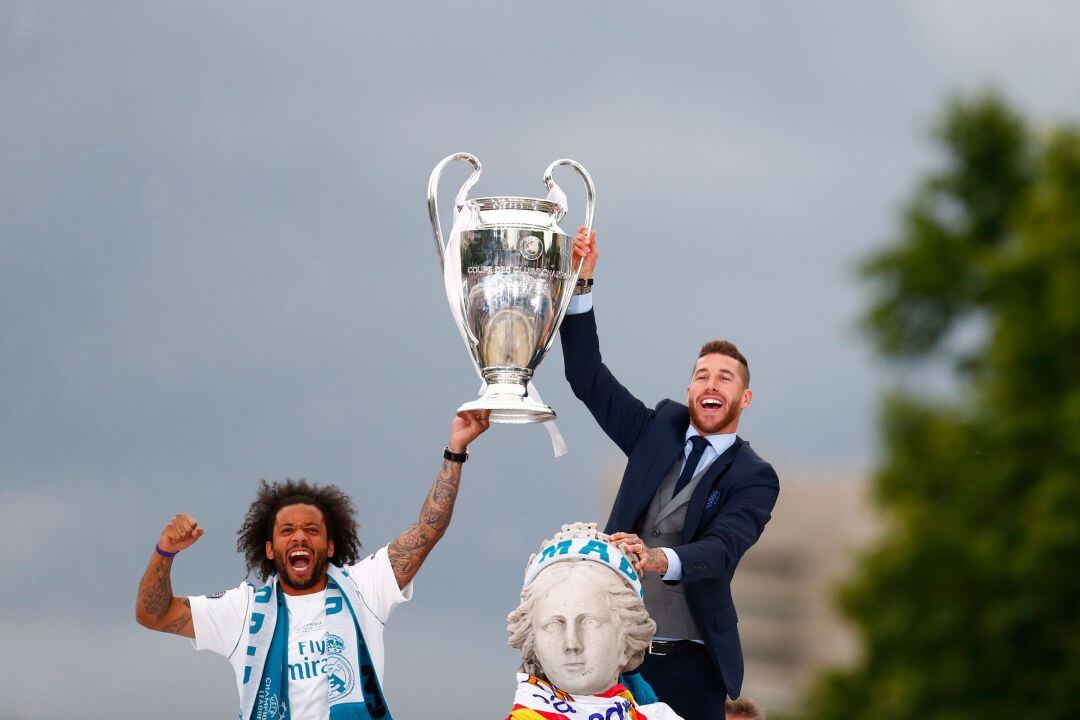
[(300, 548), (717, 394)]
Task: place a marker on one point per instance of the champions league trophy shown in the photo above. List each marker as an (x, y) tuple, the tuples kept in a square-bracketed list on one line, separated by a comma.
[(509, 277)]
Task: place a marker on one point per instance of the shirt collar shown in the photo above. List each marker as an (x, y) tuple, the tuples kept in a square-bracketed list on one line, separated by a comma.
[(719, 443)]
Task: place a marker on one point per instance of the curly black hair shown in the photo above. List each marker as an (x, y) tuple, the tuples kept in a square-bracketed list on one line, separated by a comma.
[(337, 509)]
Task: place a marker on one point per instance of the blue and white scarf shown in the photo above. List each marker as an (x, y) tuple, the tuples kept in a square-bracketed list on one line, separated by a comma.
[(265, 694)]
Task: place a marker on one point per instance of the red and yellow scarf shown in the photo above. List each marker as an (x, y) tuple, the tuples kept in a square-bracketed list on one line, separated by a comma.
[(537, 699)]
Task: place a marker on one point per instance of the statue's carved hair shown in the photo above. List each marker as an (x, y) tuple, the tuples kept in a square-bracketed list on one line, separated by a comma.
[(633, 619), (743, 709)]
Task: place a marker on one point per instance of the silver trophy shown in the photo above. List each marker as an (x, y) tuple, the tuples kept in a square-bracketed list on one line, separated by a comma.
[(509, 275)]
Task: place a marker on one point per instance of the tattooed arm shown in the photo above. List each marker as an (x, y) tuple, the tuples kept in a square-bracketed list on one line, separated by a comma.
[(156, 607), (409, 549)]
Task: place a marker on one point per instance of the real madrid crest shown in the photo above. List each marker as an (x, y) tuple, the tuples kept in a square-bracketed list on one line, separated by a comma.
[(339, 673)]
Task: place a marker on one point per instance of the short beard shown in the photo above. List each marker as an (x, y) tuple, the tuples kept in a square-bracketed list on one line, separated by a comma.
[(723, 422), (282, 570)]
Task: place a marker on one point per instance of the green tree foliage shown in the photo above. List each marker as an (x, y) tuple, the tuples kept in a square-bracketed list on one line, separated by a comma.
[(970, 605)]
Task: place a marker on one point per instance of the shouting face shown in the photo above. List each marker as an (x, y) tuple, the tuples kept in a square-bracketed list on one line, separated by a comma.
[(300, 548), (717, 394)]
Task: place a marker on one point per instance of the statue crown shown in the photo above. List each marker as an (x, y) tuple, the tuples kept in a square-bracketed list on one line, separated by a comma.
[(582, 541)]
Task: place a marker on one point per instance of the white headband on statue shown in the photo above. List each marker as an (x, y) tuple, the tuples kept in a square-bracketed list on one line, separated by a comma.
[(582, 541)]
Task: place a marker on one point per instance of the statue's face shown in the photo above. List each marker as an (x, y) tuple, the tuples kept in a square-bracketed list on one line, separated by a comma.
[(576, 637)]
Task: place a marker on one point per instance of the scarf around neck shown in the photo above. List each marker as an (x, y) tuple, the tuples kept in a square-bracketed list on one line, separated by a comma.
[(352, 695), (538, 699)]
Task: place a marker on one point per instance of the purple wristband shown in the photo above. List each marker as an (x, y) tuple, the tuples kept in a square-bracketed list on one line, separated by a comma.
[(162, 553)]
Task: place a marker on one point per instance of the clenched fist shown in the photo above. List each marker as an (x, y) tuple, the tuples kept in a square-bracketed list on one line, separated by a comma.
[(181, 532)]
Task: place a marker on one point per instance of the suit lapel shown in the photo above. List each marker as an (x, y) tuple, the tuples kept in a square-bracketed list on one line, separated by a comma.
[(661, 463), (670, 448), (672, 505), (697, 502)]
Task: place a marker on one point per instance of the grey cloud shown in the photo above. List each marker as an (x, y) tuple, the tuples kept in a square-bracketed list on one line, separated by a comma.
[(215, 266)]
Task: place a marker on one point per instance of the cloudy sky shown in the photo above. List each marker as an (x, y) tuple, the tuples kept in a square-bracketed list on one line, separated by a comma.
[(216, 266)]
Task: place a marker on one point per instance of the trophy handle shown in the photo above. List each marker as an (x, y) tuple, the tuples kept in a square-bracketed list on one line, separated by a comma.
[(590, 208), (590, 194), (433, 194)]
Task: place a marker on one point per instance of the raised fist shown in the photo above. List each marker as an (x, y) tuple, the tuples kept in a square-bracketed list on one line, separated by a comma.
[(181, 532)]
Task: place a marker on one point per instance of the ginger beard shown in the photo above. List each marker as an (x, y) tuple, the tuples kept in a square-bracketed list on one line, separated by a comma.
[(717, 394), (300, 548), (711, 415)]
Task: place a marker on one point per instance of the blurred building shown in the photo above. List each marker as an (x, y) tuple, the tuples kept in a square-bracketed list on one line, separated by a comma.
[(784, 588)]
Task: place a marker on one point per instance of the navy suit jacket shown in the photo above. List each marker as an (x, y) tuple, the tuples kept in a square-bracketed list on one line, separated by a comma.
[(727, 512)]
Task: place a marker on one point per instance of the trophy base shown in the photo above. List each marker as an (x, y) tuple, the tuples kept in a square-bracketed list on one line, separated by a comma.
[(510, 406)]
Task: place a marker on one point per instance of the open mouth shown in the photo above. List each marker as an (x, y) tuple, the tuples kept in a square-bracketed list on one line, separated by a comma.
[(711, 403), (299, 559)]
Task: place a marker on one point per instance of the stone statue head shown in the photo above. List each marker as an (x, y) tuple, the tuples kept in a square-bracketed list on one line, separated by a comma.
[(581, 621)]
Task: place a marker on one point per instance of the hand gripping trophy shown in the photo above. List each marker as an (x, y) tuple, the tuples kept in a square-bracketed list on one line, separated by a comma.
[(509, 276), (580, 625)]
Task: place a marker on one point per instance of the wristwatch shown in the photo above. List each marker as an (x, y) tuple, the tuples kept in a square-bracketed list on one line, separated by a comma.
[(452, 456)]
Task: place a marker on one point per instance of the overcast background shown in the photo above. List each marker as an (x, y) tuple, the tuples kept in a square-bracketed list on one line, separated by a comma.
[(216, 266)]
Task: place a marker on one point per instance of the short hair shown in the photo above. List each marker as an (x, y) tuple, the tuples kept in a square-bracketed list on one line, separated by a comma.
[(628, 606), (724, 347), (743, 709), (336, 507)]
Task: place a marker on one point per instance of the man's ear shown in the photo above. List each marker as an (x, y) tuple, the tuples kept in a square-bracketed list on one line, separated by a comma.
[(747, 396), (269, 550), (330, 549)]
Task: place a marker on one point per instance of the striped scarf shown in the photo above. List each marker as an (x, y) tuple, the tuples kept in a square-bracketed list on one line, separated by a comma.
[(538, 699), (352, 695)]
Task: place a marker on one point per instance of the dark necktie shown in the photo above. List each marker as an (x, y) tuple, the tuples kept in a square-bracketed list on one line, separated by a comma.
[(698, 444)]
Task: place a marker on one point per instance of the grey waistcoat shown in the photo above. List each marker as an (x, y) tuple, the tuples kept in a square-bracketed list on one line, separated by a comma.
[(662, 526)]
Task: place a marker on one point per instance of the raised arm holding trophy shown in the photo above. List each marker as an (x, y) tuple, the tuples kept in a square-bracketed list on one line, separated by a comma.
[(308, 643), (693, 498)]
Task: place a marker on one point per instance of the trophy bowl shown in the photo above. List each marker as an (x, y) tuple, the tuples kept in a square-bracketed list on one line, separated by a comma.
[(509, 276)]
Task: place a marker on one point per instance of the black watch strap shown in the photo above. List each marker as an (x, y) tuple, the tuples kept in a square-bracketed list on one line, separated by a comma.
[(452, 456)]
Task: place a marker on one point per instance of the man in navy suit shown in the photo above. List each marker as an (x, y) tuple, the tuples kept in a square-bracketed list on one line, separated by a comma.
[(694, 498)]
